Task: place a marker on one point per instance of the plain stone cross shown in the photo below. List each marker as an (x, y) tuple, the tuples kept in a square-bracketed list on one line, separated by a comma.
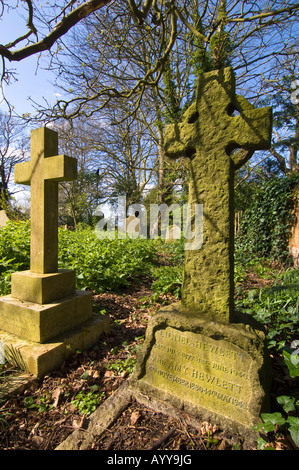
[(43, 173), (212, 128)]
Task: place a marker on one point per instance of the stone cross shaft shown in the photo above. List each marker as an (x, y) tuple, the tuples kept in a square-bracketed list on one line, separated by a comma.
[(43, 172), (212, 128)]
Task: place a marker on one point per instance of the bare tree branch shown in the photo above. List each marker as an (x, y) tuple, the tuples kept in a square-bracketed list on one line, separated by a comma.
[(30, 18), (58, 31), (291, 9)]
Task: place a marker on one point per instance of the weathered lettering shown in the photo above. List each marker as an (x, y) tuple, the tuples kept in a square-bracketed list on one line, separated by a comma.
[(200, 368)]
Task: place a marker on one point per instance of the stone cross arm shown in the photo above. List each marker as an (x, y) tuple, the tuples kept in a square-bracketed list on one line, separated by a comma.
[(219, 122), (57, 168), (255, 127)]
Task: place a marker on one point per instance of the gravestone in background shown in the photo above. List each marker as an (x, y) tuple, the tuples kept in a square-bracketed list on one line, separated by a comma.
[(3, 218), (132, 225), (200, 355), (46, 318)]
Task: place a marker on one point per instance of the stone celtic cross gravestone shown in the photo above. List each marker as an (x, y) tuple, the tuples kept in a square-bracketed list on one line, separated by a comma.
[(46, 318), (200, 355)]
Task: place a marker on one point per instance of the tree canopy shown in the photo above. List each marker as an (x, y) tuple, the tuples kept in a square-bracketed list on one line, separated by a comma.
[(124, 62)]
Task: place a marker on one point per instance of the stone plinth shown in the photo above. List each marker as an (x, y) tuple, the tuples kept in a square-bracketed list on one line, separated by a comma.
[(43, 288), (41, 322), (41, 358), (218, 372)]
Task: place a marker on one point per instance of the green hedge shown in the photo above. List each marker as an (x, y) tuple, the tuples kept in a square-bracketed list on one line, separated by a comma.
[(266, 225)]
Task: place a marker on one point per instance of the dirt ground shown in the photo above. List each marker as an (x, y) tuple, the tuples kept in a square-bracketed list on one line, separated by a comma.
[(46, 412)]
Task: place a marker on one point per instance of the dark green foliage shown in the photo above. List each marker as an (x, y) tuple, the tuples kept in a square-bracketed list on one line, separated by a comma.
[(266, 225), (14, 252), (103, 265), (100, 265), (168, 280), (246, 186), (277, 306)]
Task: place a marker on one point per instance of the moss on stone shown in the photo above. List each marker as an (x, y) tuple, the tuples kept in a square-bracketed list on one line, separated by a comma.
[(211, 370), (208, 134), (199, 356)]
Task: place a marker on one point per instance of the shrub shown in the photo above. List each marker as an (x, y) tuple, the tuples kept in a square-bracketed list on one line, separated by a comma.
[(266, 225), (103, 265), (100, 265), (14, 252), (167, 280), (276, 307)]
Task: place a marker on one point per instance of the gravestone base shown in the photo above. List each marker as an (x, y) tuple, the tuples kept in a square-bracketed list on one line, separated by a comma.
[(41, 322), (43, 288), (41, 358), (213, 371), (38, 337)]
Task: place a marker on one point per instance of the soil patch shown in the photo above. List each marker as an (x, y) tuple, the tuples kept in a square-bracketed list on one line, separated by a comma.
[(45, 413)]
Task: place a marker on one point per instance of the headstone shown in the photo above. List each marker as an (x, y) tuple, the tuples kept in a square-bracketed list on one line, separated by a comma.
[(3, 218), (173, 233), (200, 355), (132, 226), (45, 318)]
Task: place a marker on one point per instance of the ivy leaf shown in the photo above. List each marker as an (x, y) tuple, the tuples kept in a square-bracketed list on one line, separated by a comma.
[(290, 363), (85, 375), (288, 403), (294, 428), (261, 443), (271, 420)]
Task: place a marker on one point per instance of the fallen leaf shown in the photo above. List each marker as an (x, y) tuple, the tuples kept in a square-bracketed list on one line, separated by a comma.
[(222, 445), (108, 374), (34, 429), (79, 422), (71, 408), (206, 428), (38, 440), (134, 417), (56, 396)]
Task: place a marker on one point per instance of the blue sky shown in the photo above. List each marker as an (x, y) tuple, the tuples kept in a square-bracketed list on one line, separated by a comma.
[(33, 82)]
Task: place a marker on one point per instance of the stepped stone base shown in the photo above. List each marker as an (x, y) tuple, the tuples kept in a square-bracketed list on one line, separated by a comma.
[(40, 322), (45, 320), (43, 288), (41, 358)]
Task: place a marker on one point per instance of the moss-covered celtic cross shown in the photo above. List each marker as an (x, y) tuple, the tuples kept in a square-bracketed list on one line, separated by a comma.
[(208, 134), (43, 173)]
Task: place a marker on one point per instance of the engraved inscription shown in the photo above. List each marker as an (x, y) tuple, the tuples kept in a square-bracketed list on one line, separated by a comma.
[(211, 373)]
